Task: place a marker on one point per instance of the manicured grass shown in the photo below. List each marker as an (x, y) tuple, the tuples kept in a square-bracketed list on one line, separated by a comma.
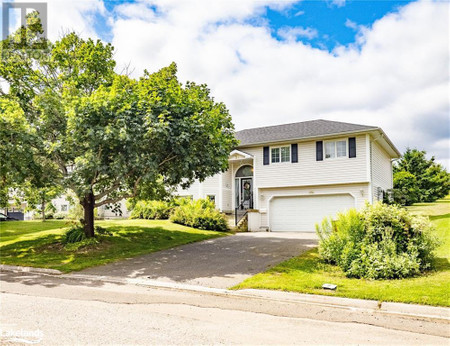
[(307, 273), (38, 244)]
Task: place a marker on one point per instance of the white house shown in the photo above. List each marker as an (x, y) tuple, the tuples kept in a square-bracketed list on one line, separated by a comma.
[(291, 176)]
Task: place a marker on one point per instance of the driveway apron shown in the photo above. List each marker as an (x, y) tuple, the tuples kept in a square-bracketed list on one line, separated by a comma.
[(218, 263)]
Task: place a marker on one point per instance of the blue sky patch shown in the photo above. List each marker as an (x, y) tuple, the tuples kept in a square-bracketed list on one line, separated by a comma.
[(332, 23), (322, 24)]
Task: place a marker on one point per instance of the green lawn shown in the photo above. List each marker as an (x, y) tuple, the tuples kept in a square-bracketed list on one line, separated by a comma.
[(37, 243), (307, 273)]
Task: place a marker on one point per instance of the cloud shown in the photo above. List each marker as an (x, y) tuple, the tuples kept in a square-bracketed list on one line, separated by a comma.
[(351, 24), (294, 33), (395, 76), (338, 3)]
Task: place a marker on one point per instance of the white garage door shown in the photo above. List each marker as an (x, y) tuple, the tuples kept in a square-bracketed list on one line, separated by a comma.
[(301, 213)]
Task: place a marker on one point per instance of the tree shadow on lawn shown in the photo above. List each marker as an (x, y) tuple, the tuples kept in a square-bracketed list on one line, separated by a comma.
[(438, 217), (440, 264), (49, 252)]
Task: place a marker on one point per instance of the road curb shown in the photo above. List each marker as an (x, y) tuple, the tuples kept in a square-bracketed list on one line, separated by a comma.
[(423, 312), (9, 268)]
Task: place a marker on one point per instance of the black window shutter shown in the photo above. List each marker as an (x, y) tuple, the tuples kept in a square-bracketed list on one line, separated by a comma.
[(266, 156), (294, 153), (352, 147), (319, 151)]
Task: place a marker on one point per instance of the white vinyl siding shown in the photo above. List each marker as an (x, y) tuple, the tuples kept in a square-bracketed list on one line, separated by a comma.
[(226, 191), (210, 186), (308, 171), (381, 170)]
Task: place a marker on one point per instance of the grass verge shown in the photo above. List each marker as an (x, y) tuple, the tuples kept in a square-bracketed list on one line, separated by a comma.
[(307, 273), (38, 244)]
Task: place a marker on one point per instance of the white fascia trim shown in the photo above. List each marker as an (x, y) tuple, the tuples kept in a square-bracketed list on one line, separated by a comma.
[(220, 191), (241, 153), (369, 167)]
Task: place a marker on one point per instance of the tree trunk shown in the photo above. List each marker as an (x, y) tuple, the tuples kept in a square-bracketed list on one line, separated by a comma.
[(43, 210), (88, 206)]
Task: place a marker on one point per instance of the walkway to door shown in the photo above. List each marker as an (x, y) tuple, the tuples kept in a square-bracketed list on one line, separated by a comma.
[(219, 263)]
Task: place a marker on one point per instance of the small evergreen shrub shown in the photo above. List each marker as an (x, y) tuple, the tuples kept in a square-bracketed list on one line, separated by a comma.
[(74, 235), (151, 210), (201, 214), (379, 242)]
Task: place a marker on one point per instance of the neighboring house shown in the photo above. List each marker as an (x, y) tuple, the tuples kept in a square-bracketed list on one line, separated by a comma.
[(104, 212), (63, 205), (291, 176), (108, 211)]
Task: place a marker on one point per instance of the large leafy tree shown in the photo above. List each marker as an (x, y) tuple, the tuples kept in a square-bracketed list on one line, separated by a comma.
[(106, 136), (418, 179), (15, 153)]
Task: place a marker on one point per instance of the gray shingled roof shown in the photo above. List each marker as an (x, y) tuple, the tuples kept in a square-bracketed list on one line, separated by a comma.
[(305, 129)]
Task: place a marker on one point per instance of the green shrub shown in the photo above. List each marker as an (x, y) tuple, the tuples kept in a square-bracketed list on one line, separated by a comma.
[(74, 235), (60, 216), (379, 242), (151, 210), (201, 214)]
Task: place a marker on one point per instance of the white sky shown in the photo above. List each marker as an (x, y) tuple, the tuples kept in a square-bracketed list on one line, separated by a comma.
[(395, 77)]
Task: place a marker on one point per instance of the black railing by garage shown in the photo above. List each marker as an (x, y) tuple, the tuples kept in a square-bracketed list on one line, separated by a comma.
[(239, 213)]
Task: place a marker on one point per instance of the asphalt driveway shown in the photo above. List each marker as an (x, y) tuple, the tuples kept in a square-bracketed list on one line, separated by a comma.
[(219, 263)]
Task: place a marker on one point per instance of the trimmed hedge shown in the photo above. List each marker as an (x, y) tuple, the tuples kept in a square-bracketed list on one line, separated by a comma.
[(151, 210), (379, 242), (201, 214)]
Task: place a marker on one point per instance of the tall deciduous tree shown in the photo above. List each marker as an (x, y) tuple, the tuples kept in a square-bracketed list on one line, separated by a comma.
[(418, 179), (107, 135)]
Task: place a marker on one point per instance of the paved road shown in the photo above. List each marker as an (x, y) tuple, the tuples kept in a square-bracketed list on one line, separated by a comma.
[(218, 263), (58, 311)]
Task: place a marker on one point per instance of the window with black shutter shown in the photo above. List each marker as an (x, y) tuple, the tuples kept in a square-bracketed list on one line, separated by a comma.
[(319, 151), (266, 155), (352, 147), (294, 153)]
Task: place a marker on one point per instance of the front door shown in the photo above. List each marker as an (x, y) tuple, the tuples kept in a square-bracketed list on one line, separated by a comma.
[(246, 193)]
